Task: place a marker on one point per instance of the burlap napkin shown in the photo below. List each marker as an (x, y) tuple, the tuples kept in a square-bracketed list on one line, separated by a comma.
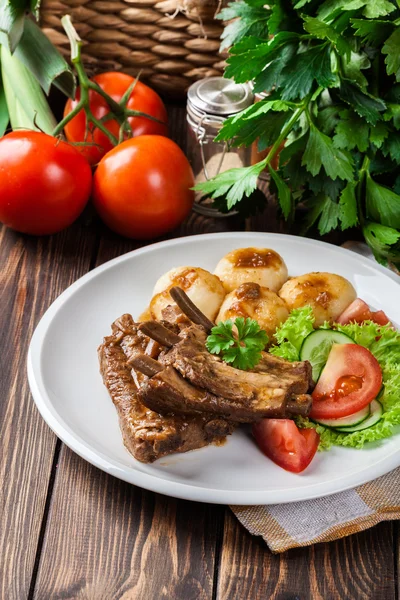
[(284, 526)]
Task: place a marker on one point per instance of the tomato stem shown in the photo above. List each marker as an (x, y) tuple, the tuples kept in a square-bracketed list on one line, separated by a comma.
[(118, 110)]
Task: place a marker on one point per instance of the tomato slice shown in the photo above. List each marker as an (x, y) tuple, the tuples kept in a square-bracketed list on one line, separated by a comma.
[(350, 380), (359, 311), (283, 442)]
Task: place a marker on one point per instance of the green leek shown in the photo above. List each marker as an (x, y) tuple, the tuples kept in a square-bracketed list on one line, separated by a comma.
[(27, 104)]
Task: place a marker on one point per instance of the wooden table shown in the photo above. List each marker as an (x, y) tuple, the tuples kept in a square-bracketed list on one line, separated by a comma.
[(69, 531)]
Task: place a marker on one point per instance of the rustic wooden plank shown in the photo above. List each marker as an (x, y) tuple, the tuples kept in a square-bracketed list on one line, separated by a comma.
[(109, 539), (359, 566), (34, 271)]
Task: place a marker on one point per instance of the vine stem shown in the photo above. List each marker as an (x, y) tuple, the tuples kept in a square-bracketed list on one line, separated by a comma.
[(288, 127), (361, 177), (118, 111)]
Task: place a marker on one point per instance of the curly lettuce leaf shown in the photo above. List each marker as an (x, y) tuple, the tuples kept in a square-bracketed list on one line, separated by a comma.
[(292, 333)]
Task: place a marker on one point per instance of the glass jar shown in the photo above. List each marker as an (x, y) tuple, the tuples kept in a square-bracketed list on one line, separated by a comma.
[(211, 101)]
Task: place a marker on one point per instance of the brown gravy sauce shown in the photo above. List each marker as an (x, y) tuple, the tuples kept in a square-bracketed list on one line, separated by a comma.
[(253, 258)]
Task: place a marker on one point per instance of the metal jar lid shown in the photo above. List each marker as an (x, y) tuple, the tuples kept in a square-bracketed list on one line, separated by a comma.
[(220, 96)]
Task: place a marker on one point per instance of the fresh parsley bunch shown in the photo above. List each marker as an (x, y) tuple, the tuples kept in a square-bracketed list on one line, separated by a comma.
[(332, 71)]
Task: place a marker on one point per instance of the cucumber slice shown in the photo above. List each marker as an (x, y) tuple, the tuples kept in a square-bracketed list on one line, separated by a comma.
[(375, 416), (350, 421), (318, 344)]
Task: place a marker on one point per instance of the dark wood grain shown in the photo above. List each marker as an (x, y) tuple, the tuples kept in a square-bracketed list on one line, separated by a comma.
[(360, 566), (107, 540), (34, 272)]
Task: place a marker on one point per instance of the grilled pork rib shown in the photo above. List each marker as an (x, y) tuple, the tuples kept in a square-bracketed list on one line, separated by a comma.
[(146, 434), (276, 389)]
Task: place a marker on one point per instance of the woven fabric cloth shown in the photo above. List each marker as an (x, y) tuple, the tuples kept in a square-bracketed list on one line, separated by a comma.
[(284, 526)]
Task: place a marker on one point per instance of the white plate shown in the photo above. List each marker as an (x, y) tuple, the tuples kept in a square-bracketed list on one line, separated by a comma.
[(66, 385)]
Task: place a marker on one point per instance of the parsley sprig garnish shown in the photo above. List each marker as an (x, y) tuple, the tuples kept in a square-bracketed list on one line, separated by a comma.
[(332, 72), (242, 349)]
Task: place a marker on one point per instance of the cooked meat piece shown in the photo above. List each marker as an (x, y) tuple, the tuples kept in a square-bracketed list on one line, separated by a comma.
[(260, 390), (167, 391), (173, 315), (147, 434)]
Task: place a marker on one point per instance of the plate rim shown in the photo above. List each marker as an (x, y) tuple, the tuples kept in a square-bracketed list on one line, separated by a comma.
[(152, 482)]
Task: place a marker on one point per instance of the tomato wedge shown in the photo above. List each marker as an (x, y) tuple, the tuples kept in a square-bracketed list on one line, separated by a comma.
[(283, 442), (359, 311), (351, 379)]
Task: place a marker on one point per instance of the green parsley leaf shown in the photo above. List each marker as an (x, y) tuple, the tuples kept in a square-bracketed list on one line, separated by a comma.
[(352, 66), (372, 32), (276, 18), (392, 50), (392, 147), (393, 113), (251, 55), (329, 218), (271, 75), (364, 104), (320, 151), (244, 350), (305, 68), (253, 21), (284, 193), (377, 8), (235, 183), (328, 118), (348, 206), (323, 31), (254, 123), (222, 339), (372, 8), (352, 133), (378, 134), (382, 204), (383, 241)]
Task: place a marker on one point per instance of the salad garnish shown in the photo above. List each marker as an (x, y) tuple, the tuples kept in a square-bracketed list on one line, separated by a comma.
[(242, 349), (384, 344)]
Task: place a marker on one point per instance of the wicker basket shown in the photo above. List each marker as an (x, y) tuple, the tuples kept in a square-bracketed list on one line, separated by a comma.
[(172, 44)]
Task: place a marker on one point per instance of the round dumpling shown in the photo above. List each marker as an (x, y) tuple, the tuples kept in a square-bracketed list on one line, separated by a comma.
[(328, 295), (202, 287), (259, 303), (252, 265)]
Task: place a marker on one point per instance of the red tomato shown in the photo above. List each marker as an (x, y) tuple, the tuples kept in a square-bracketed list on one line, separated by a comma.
[(142, 187), (115, 85), (350, 380), (44, 183), (359, 311), (283, 442)]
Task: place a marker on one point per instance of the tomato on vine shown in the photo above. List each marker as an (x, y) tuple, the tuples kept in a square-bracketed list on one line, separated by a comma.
[(119, 87), (141, 188), (44, 184)]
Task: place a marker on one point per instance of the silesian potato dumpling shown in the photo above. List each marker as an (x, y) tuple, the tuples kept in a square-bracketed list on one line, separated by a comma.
[(256, 302), (328, 295), (252, 265), (202, 287)]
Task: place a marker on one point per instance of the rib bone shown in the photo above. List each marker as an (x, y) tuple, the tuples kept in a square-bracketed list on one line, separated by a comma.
[(190, 309), (156, 331)]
